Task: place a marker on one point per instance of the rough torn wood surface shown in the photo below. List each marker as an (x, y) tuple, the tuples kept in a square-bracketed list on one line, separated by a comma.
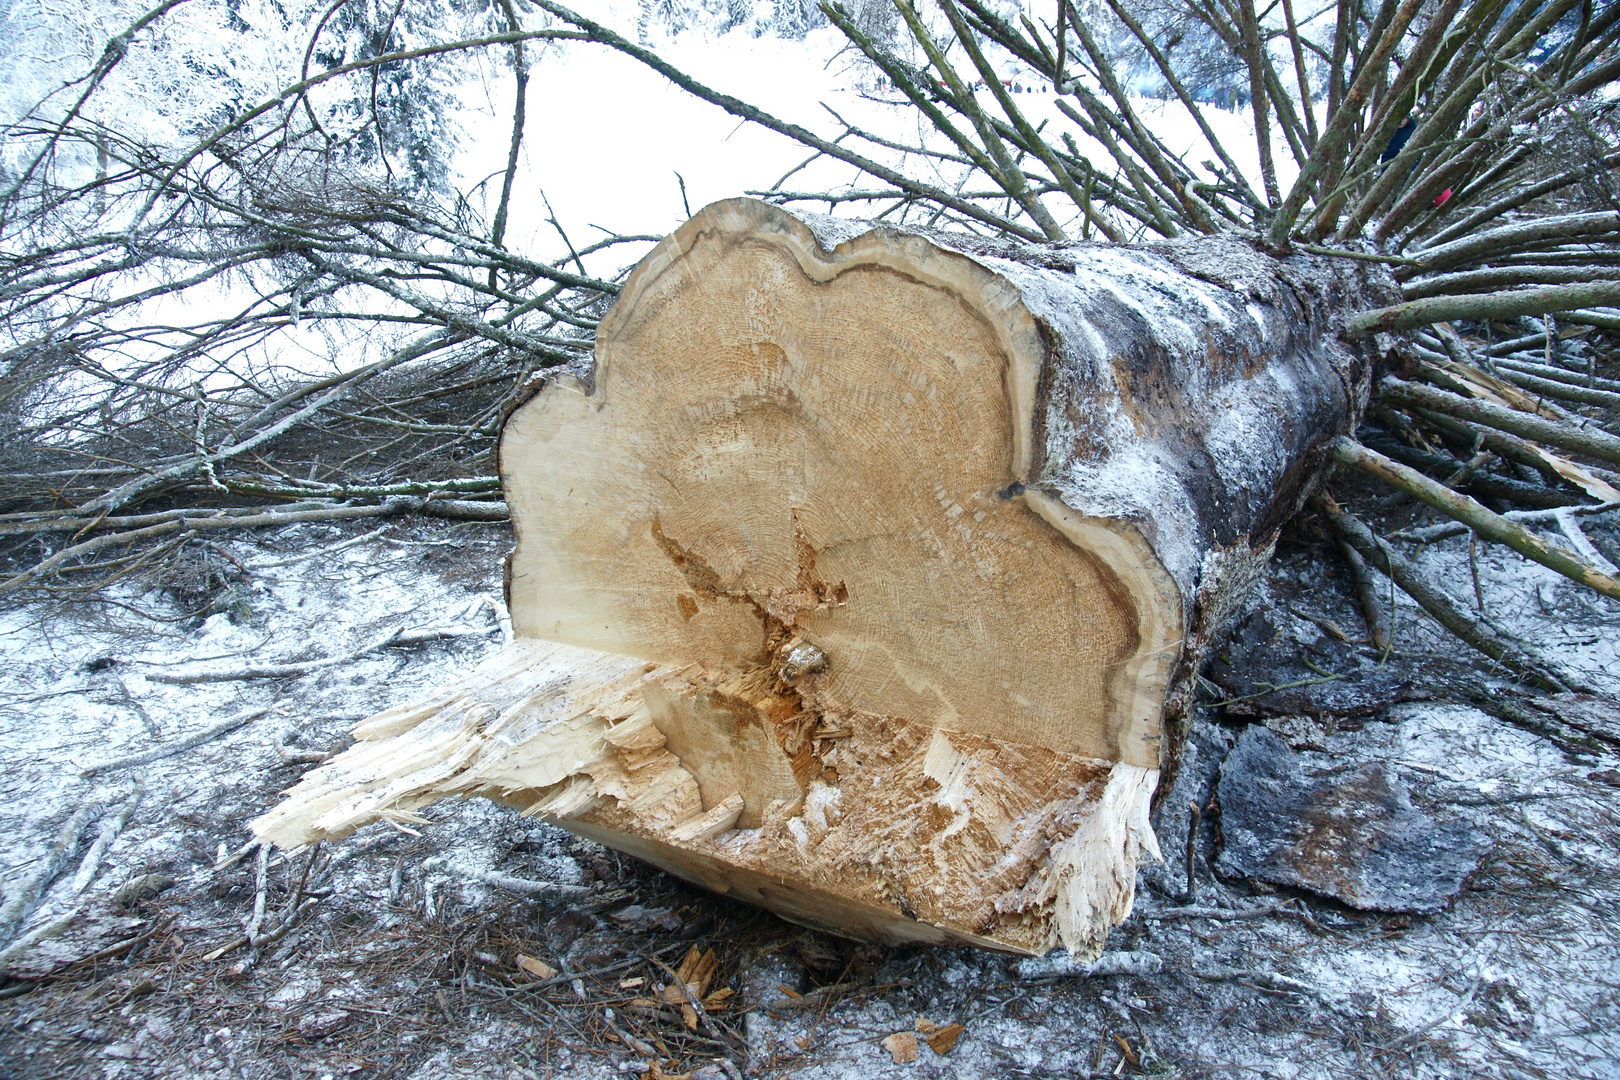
[(863, 573), (893, 830)]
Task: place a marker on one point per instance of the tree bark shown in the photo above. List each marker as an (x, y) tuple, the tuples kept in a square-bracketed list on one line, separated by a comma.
[(864, 573)]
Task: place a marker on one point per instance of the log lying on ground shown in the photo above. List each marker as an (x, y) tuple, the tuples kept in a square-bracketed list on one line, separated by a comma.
[(863, 575)]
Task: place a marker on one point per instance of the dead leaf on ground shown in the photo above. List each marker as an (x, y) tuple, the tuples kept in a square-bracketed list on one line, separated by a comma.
[(902, 1046), (538, 968), (943, 1040), (1125, 1048)]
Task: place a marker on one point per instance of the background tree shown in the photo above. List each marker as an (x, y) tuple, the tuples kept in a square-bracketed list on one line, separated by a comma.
[(273, 300)]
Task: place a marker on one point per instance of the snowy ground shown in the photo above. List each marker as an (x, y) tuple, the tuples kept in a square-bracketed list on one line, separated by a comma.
[(397, 970)]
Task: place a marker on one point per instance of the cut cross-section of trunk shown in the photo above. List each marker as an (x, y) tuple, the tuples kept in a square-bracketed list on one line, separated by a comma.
[(862, 574)]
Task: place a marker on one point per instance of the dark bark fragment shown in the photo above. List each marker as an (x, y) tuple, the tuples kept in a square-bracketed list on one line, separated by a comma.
[(1264, 671), (1354, 837)]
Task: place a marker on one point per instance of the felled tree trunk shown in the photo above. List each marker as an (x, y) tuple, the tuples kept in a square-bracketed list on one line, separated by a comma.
[(864, 574)]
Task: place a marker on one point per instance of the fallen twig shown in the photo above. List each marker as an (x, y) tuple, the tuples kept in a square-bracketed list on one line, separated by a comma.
[(1569, 739), (261, 889), (814, 999), (1485, 522), (224, 727), (62, 849), (1138, 962), (1579, 541), (1268, 980), (397, 637), (459, 509), (520, 886), (1220, 914), (1592, 441), (40, 933), (1510, 654), (1431, 533), (631, 1041), (1194, 816), (697, 1005), (110, 828), (503, 618), (1372, 607), (140, 711), (265, 939)]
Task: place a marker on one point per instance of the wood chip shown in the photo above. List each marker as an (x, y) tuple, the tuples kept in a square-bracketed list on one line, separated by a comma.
[(943, 1041), (538, 968), (674, 995), (925, 1026), (789, 991), (717, 1000), (631, 984), (235, 943), (697, 970), (902, 1046)]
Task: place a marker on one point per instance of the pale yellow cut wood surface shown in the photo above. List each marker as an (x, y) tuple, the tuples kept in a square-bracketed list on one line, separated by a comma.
[(779, 440)]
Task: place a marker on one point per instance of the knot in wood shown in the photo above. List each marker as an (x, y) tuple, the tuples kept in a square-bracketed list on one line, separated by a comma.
[(798, 659)]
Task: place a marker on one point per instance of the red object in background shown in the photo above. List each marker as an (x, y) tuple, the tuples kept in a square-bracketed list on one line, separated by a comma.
[(1440, 199)]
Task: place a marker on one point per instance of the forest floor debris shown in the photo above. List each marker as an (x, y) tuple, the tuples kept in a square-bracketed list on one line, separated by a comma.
[(422, 948), (1352, 835)]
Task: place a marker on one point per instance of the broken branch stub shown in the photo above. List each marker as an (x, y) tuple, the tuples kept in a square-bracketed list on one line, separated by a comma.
[(863, 574)]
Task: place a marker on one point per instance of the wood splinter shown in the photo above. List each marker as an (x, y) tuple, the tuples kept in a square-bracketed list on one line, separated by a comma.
[(863, 575)]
